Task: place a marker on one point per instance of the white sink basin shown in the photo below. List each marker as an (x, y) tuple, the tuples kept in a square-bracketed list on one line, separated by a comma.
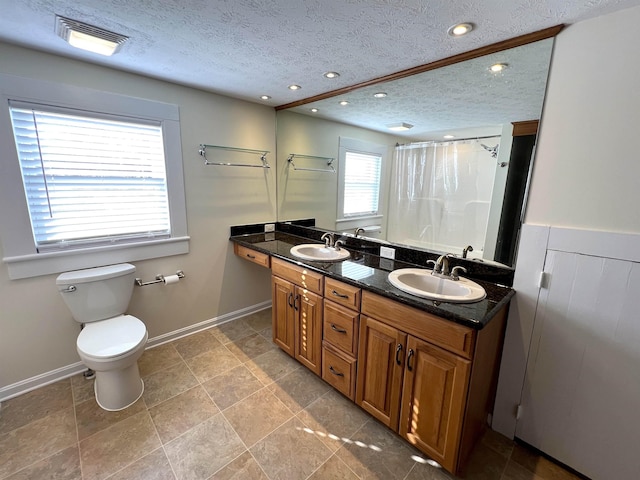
[(420, 282), (318, 252)]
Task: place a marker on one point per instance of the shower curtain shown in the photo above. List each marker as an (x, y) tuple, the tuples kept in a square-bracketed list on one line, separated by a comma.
[(441, 194)]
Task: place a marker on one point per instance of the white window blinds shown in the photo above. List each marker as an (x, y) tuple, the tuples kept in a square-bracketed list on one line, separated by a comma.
[(361, 184), (90, 179)]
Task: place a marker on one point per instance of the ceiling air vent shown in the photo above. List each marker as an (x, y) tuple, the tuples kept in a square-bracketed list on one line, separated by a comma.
[(89, 37)]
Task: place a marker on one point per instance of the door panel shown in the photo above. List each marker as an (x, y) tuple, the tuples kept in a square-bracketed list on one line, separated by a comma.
[(380, 368), (283, 314), (582, 387), (433, 399)]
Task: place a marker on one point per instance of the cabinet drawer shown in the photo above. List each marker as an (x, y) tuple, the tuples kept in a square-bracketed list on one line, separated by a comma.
[(339, 371), (261, 259), (342, 293), (449, 335), (340, 327), (307, 279)]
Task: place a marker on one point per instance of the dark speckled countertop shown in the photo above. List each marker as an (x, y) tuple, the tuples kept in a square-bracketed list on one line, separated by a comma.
[(369, 272)]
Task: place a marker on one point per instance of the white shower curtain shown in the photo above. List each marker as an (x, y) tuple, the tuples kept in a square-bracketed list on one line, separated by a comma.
[(441, 194)]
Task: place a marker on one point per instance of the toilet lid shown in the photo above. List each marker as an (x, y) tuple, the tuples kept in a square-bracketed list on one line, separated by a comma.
[(111, 337)]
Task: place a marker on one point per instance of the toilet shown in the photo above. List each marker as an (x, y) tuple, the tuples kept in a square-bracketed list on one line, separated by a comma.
[(110, 342)]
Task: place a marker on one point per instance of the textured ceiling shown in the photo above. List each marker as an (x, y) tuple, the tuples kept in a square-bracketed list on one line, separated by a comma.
[(247, 48)]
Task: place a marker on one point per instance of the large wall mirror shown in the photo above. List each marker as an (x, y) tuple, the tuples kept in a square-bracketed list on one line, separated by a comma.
[(436, 193)]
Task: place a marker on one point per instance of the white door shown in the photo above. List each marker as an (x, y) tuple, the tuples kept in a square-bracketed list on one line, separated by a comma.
[(581, 397)]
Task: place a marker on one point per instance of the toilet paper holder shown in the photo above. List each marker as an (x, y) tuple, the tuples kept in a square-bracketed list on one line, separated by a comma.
[(159, 279)]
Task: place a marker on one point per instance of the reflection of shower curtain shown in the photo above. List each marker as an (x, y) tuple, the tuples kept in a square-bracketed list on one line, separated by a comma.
[(440, 195)]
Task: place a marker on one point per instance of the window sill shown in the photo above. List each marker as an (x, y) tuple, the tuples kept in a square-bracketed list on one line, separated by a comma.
[(356, 217), (26, 266)]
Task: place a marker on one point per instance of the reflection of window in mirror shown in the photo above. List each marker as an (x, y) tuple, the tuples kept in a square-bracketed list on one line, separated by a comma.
[(359, 166)]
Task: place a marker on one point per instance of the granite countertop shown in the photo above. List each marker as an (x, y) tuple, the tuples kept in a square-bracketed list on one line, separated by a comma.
[(369, 272)]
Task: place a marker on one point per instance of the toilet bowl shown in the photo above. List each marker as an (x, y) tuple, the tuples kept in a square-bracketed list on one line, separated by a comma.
[(111, 348), (110, 342)]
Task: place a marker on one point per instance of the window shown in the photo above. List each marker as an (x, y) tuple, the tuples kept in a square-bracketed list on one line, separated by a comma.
[(100, 181), (360, 173), (361, 184), (90, 180)]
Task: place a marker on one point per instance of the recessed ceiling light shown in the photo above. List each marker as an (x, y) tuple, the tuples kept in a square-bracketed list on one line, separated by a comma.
[(344, 102), (498, 67), (314, 110), (380, 95), (331, 74), (449, 137), (460, 29), (399, 127), (88, 37), (265, 97), (294, 87)]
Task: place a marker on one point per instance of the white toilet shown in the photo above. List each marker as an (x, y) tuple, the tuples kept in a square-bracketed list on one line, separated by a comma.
[(110, 342)]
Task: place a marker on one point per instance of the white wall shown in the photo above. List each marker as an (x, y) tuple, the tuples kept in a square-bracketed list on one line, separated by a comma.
[(586, 168), (37, 334), (585, 172)]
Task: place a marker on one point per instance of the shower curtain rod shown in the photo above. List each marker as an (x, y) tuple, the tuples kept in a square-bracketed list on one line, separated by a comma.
[(448, 141)]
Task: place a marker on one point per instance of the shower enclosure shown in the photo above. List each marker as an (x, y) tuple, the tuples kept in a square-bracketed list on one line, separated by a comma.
[(441, 194)]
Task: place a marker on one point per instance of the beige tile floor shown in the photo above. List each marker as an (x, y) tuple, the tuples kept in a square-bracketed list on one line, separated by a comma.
[(225, 404)]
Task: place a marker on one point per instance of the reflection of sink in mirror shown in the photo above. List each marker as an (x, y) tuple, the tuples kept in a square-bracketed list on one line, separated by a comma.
[(319, 252), (420, 282)]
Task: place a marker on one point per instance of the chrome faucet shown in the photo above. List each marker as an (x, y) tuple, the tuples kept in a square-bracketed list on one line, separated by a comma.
[(359, 230), (441, 266), (329, 239), (466, 250)]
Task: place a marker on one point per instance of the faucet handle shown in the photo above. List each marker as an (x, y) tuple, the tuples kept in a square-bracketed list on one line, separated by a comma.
[(338, 244), (455, 270)]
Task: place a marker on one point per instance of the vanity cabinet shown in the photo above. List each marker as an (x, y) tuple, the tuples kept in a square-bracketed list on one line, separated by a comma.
[(413, 387), (431, 380), (340, 336), (297, 313), (258, 258)]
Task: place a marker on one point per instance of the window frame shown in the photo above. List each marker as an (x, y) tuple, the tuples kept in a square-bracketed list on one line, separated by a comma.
[(362, 147), (19, 249)]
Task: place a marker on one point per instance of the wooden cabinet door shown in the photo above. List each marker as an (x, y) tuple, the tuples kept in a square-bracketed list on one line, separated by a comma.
[(283, 295), (433, 400), (308, 329), (381, 355)]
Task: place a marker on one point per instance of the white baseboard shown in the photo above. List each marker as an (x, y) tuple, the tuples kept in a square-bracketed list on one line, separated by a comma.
[(58, 374)]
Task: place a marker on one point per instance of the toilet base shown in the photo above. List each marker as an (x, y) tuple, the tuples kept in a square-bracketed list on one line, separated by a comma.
[(118, 389)]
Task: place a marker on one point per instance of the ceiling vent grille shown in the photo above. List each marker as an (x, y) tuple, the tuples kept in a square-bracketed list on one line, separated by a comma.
[(110, 42)]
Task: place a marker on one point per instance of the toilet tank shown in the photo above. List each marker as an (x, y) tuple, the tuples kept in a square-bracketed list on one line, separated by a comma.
[(97, 293)]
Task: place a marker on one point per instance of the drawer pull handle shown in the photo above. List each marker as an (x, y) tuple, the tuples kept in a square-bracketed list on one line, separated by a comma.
[(411, 354), (336, 329), (295, 303), (290, 300), (398, 352), (252, 257), (333, 292), (337, 374)]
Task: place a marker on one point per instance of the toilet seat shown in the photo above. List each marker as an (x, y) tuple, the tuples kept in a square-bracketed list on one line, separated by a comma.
[(111, 337)]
